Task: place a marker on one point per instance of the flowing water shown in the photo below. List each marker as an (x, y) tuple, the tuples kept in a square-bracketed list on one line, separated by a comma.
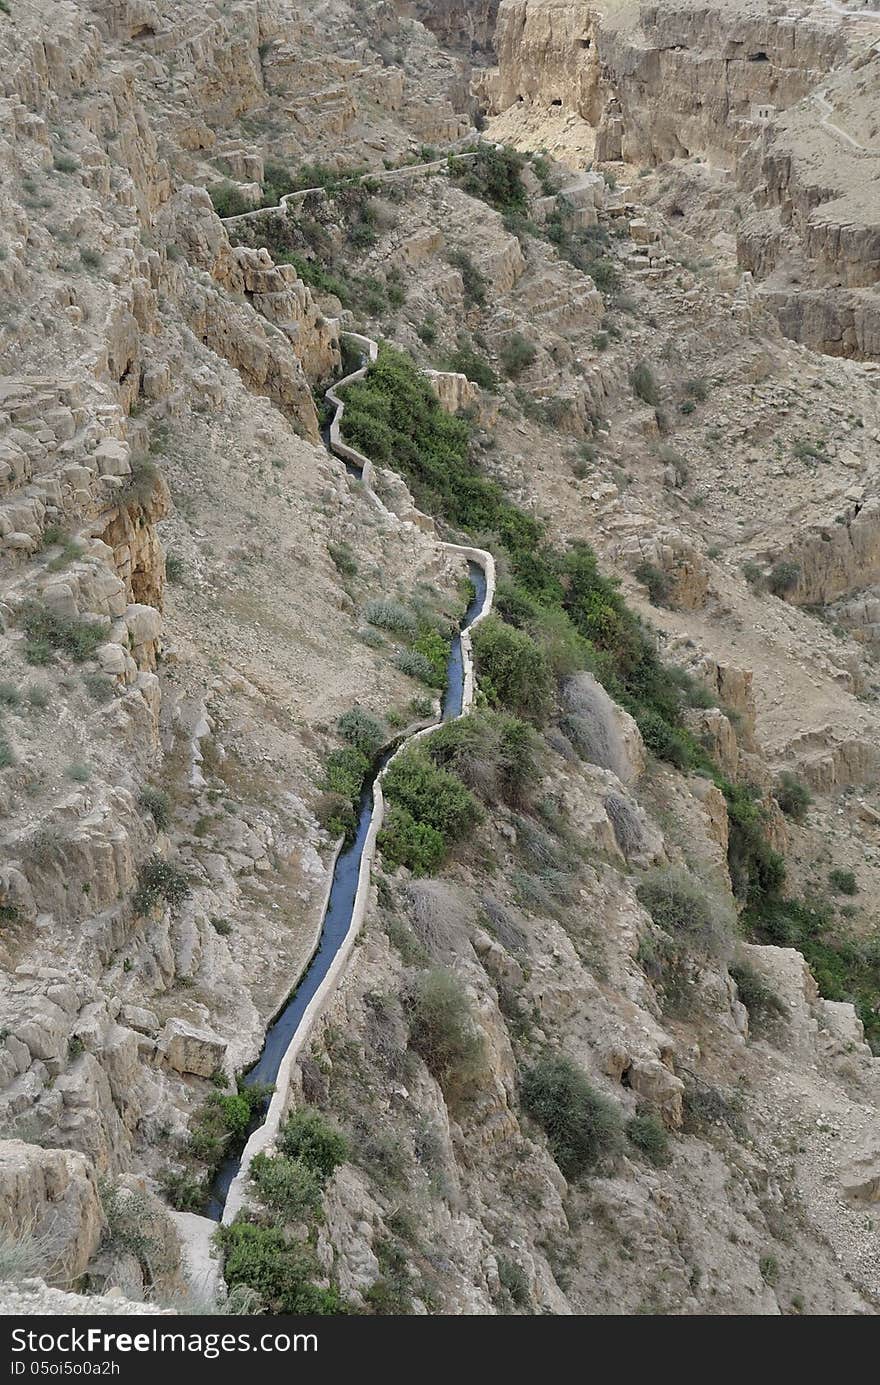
[(340, 904)]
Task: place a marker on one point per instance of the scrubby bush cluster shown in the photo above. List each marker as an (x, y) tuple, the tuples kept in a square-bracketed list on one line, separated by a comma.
[(442, 1030), (260, 1254), (582, 1126), (430, 809)]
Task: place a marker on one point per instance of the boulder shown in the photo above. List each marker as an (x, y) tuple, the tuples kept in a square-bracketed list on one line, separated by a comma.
[(188, 1049), (50, 1208)]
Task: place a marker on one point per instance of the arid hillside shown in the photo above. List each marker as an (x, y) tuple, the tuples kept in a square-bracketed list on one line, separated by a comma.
[(606, 1039)]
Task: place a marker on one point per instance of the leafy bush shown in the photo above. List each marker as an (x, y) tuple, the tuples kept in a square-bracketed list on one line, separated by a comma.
[(430, 810), (160, 880), (492, 753), (513, 671), (843, 881), (391, 615), (656, 581), (343, 558), (344, 772), (228, 200), (308, 1136), (474, 283), (362, 730), (783, 576), (280, 1272), (648, 1134), (845, 968), (582, 1126), (138, 488), (286, 1186), (416, 665), (156, 802), (404, 841), (466, 361), (184, 1192), (442, 1029), (793, 797), (49, 629), (494, 175)]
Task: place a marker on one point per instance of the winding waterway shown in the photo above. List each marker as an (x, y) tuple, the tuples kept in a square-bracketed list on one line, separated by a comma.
[(341, 899)]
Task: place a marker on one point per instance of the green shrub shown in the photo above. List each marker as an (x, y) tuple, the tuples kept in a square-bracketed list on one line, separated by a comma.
[(391, 615), (184, 1192), (139, 487), (157, 803), (681, 905), (656, 580), (99, 686), (844, 881), (466, 361), (494, 176), (174, 567), (495, 755), (759, 999), (159, 880), (648, 1134), (228, 200), (336, 814), (793, 797), (309, 1137), (427, 330), (345, 771), (517, 354), (7, 754), (277, 1270), (783, 576), (416, 665), (362, 730), (442, 1029), (48, 629), (582, 1126), (288, 1187), (475, 285), (65, 163), (512, 670), (404, 841), (644, 384), (432, 796)]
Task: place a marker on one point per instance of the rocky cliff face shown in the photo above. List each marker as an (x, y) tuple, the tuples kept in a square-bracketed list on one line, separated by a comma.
[(609, 64), (192, 593)]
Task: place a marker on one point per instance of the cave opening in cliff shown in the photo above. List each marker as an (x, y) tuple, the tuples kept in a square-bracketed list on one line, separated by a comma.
[(557, 101), (760, 57), (585, 42)]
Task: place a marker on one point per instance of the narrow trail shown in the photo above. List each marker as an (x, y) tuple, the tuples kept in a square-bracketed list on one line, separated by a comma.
[(349, 888)]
